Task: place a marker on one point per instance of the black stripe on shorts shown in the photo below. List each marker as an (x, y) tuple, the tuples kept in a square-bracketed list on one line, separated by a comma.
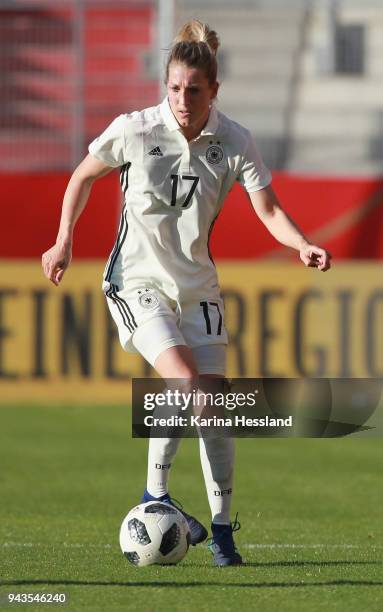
[(124, 310), (124, 306)]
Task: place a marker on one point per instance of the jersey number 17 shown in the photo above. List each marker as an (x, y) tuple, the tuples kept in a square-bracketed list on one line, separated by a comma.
[(175, 181)]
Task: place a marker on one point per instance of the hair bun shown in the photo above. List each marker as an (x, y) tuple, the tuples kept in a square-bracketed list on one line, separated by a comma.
[(196, 31)]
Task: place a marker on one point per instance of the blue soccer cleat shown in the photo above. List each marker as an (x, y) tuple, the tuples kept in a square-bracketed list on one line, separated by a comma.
[(198, 533), (222, 544)]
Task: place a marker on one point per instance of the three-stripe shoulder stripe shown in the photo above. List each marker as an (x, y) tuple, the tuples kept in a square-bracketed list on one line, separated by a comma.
[(123, 226), (124, 171), (125, 312), (121, 235)]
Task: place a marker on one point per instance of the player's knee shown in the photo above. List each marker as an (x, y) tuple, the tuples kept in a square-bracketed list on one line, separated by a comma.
[(187, 371), (187, 381), (185, 368)]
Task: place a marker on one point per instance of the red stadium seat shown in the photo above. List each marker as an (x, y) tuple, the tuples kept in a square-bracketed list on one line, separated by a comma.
[(40, 85)]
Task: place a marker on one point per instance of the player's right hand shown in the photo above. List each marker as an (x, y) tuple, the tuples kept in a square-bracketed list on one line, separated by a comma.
[(55, 261)]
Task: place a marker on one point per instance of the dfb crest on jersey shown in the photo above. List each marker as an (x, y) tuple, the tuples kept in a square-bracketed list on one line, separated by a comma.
[(148, 299), (214, 154)]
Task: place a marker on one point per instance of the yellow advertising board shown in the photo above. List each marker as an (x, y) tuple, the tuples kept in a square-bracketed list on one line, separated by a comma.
[(283, 319)]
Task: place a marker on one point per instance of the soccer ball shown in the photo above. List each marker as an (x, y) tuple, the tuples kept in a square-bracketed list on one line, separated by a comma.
[(154, 532)]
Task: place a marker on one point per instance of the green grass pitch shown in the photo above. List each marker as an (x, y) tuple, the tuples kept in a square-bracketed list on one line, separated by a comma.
[(311, 515)]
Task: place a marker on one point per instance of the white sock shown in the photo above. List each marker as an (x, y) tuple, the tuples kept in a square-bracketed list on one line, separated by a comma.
[(217, 461), (160, 456)]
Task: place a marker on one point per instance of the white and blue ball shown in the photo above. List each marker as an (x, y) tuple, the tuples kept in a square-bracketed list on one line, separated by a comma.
[(154, 533)]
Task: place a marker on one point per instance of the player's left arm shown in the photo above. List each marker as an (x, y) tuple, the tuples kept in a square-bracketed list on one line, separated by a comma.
[(283, 228)]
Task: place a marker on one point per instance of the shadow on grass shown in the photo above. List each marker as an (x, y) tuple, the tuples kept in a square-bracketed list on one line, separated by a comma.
[(183, 585), (309, 563)]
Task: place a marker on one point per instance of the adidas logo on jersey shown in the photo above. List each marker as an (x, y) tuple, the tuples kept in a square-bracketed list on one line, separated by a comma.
[(156, 151)]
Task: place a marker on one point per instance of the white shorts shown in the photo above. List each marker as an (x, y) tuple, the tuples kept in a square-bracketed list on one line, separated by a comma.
[(148, 322)]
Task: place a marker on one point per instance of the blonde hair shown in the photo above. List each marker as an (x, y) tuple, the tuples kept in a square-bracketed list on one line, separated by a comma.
[(195, 45), (196, 31)]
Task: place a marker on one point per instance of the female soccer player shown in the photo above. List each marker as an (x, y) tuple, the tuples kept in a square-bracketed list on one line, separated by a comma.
[(177, 161)]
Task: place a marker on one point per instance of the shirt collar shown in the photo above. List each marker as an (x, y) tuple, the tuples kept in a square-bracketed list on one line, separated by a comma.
[(172, 123), (212, 123), (168, 117)]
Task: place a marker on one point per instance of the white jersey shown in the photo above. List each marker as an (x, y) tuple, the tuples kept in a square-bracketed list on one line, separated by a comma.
[(173, 191)]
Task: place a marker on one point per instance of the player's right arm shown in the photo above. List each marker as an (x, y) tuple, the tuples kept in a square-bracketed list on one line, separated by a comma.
[(56, 259)]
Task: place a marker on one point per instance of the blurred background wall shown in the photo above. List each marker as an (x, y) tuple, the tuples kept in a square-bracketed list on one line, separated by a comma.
[(303, 75)]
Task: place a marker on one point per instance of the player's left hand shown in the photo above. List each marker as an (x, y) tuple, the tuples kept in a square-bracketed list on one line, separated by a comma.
[(315, 257)]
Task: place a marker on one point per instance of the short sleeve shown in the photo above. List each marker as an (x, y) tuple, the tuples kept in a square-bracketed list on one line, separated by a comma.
[(110, 147), (254, 175)]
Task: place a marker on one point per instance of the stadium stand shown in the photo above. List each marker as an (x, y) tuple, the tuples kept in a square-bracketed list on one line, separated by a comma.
[(66, 74), (303, 75), (288, 75)]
